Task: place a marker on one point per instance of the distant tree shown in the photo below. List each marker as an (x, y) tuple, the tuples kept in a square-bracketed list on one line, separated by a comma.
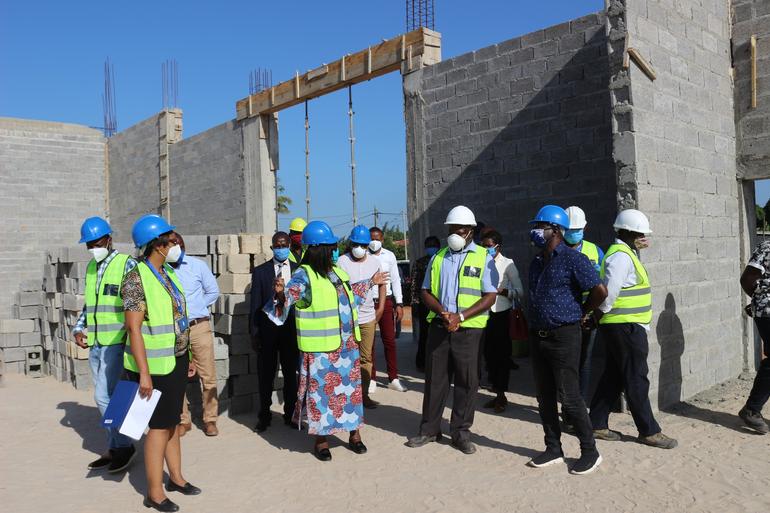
[(391, 235), (282, 201), (761, 218), (766, 211)]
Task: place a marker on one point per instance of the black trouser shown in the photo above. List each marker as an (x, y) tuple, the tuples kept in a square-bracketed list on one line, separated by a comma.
[(451, 355), (625, 369), (760, 392), (498, 349), (555, 360), (421, 311), (278, 344)]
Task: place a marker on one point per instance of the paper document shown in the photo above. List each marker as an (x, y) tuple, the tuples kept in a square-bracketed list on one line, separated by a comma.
[(139, 414)]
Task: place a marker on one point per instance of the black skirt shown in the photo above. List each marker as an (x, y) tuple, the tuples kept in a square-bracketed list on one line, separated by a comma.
[(172, 387)]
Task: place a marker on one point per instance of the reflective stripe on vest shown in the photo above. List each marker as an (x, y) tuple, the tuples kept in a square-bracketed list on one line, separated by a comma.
[(105, 319), (590, 250), (158, 327), (318, 323), (633, 304), (469, 289)]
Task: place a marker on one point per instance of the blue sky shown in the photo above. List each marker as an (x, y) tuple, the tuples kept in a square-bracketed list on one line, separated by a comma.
[(53, 52)]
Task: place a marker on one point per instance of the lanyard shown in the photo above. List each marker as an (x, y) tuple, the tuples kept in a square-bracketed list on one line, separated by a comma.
[(174, 290)]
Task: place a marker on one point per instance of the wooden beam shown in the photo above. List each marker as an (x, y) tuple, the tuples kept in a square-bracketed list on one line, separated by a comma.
[(753, 48), (642, 63), (367, 64)]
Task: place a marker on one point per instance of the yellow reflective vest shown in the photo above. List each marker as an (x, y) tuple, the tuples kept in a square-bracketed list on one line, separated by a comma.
[(469, 288), (633, 304), (105, 319)]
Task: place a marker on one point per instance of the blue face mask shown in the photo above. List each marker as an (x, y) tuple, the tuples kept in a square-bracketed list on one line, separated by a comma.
[(335, 255), (573, 236), (281, 254), (537, 236), (431, 251), (492, 251)]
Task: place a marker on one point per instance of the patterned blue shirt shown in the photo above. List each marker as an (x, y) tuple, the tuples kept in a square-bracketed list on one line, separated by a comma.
[(556, 287)]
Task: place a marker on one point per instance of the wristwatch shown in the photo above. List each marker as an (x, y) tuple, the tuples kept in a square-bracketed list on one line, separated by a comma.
[(462, 317)]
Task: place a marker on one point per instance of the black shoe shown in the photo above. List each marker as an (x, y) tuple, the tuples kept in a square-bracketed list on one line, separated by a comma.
[(187, 489), (357, 447), (262, 425), (121, 459), (102, 462), (166, 505), (420, 440), (464, 446), (754, 420), (322, 454), (586, 464), (546, 459)]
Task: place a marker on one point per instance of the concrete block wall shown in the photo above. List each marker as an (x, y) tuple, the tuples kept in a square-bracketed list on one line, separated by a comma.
[(752, 125), (511, 127), (53, 176), (678, 147)]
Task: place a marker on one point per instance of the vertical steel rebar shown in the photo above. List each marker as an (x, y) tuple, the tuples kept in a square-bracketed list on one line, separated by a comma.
[(307, 163), (352, 140)]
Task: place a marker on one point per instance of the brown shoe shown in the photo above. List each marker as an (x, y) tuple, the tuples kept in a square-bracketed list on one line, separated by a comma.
[(210, 429), (183, 429), (658, 440)]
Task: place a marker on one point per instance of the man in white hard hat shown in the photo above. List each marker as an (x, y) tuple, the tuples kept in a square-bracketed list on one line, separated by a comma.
[(459, 288), (624, 320)]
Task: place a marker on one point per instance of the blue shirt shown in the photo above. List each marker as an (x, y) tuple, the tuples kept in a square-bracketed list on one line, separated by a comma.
[(450, 274), (555, 288), (200, 286)]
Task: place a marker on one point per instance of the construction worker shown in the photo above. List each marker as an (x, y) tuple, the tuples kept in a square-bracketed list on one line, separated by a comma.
[(558, 276), (296, 227), (459, 288), (157, 355), (624, 320), (100, 327), (573, 237)]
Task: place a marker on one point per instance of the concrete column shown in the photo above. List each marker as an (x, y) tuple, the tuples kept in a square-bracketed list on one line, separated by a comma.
[(169, 132), (260, 165), (415, 161), (752, 344)]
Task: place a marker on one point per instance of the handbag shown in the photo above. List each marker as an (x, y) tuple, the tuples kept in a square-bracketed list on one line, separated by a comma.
[(518, 329)]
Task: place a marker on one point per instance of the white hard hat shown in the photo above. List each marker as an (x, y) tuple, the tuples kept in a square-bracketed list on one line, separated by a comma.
[(633, 221), (461, 215), (577, 218)]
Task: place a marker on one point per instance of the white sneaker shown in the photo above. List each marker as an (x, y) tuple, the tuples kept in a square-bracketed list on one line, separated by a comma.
[(372, 387), (396, 385)]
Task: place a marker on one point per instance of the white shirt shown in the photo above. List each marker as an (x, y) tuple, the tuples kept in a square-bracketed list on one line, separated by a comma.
[(509, 279), (619, 273), (389, 264), (360, 270), (284, 268)]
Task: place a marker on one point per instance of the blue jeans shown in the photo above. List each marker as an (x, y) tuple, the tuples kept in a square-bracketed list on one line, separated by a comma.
[(106, 369)]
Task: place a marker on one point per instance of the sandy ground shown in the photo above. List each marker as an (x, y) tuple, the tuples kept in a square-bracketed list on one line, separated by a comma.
[(49, 433)]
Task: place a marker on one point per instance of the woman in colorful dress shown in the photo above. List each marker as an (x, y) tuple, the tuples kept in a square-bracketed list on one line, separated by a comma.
[(326, 306)]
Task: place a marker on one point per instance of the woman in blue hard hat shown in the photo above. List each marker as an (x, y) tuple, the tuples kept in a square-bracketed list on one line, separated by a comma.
[(328, 335), (157, 352)]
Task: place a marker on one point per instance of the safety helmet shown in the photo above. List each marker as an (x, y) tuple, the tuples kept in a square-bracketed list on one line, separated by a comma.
[(633, 221), (360, 235), (552, 214), (94, 228), (149, 227), (297, 225), (461, 215), (577, 218), (317, 233)]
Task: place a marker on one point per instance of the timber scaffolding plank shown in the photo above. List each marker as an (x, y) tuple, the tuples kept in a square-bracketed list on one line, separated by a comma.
[(414, 49)]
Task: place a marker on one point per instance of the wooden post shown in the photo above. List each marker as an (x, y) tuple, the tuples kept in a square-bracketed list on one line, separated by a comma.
[(753, 48)]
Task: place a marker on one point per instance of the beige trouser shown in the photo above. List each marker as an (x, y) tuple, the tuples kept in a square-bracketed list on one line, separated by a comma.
[(202, 347), (365, 348)]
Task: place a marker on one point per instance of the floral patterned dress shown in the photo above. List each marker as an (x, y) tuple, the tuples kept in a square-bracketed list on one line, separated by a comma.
[(329, 383)]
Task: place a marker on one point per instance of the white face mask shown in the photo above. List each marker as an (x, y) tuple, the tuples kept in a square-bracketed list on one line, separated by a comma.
[(173, 254), (455, 242), (99, 254), (358, 252), (375, 246)]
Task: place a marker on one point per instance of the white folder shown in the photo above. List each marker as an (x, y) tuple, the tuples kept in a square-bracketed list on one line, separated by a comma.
[(138, 416)]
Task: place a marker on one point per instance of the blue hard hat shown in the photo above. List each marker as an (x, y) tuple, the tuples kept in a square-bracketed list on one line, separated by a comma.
[(94, 228), (149, 227), (360, 235), (318, 232), (552, 214)]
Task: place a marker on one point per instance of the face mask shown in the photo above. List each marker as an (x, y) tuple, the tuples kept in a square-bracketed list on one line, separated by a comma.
[(375, 246), (537, 237), (431, 251), (358, 252), (99, 254), (492, 251), (335, 255), (281, 254), (455, 242), (296, 240), (642, 243), (573, 236), (174, 254)]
